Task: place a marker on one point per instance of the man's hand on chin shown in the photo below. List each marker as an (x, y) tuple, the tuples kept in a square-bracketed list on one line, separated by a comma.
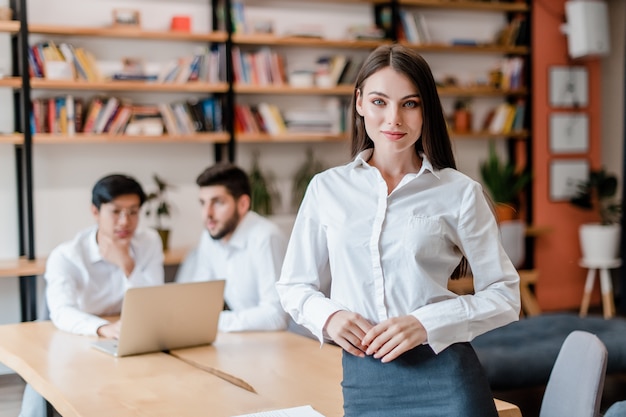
[(117, 251)]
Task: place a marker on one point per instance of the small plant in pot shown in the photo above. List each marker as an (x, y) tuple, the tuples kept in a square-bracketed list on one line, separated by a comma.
[(264, 196), (599, 241), (303, 177), (462, 116), (504, 183), (159, 207)]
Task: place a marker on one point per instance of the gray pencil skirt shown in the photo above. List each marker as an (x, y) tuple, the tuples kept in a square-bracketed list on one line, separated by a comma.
[(417, 384)]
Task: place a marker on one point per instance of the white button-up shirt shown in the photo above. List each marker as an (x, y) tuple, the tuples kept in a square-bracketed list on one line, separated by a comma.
[(391, 255), (81, 285), (250, 263)]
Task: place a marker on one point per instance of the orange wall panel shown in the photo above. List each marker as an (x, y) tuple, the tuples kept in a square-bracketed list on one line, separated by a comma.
[(557, 253)]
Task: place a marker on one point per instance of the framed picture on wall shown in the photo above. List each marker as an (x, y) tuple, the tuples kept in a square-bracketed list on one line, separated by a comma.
[(568, 86), (564, 175), (569, 133), (128, 18)]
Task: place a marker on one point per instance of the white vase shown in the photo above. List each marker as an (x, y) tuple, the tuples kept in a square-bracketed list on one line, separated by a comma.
[(599, 243)]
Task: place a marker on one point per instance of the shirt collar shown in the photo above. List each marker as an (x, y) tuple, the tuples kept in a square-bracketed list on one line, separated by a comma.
[(363, 156), (93, 249)]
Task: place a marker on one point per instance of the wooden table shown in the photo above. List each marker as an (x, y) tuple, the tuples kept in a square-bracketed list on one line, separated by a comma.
[(285, 369), (24, 267)]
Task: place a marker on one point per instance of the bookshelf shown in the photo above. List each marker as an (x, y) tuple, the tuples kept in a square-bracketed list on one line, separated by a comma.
[(27, 87), (286, 44)]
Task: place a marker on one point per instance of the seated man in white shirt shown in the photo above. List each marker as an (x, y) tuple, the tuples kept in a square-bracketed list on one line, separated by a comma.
[(87, 277), (240, 246)]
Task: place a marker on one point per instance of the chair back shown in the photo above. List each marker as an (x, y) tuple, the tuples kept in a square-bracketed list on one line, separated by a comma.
[(617, 409), (577, 378), (513, 238)]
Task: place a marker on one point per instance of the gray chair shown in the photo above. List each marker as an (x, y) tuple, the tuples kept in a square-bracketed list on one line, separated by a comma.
[(617, 409), (577, 378)]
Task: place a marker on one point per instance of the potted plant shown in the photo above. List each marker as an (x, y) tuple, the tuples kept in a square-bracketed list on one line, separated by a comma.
[(504, 182), (303, 176), (462, 116), (159, 207), (263, 194), (600, 240)]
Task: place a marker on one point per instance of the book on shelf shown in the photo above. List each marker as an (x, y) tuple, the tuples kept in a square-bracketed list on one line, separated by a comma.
[(338, 64), (59, 115), (413, 27), (87, 65), (212, 110), (145, 120), (330, 69), (520, 113), (272, 119), (105, 116), (70, 115), (238, 17), (262, 67), (95, 106), (206, 66), (189, 116), (422, 28), (512, 70), (515, 32), (507, 118), (134, 77), (348, 76), (120, 119)]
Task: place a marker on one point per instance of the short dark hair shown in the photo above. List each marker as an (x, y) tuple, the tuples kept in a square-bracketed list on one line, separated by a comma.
[(228, 175), (112, 186), (435, 140)]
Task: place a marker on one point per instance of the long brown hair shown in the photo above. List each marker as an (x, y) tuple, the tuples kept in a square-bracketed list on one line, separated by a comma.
[(435, 140)]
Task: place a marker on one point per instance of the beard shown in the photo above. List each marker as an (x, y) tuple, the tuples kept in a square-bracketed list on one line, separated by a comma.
[(229, 227)]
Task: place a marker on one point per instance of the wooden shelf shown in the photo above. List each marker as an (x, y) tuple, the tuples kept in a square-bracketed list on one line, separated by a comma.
[(11, 82), (221, 137), (469, 49), (11, 138), (86, 138), (536, 231), (273, 40), (489, 135), (23, 267), (45, 84), (480, 91), (469, 5), (9, 26), (287, 89), (349, 89), (110, 32), (290, 137)]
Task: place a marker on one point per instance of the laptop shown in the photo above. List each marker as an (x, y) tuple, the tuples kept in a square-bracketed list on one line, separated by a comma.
[(169, 316)]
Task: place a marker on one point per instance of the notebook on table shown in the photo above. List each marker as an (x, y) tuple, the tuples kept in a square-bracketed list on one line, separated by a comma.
[(169, 316)]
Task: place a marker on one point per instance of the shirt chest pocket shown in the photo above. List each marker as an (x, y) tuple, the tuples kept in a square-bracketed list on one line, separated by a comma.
[(424, 237)]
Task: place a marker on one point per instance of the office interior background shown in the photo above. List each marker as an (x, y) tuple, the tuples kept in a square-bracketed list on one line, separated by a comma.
[(64, 173)]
